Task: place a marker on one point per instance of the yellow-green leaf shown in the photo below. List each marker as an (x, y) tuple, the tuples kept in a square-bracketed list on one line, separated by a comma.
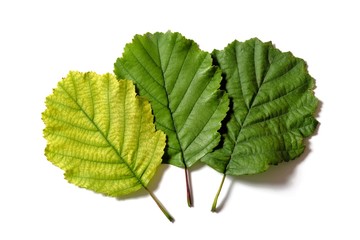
[(102, 134)]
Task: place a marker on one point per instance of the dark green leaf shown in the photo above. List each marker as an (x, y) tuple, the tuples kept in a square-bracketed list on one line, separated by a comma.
[(273, 107)]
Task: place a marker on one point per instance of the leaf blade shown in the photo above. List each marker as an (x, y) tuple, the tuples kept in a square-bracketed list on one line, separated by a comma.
[(273, 107), (180, 82), (102, 134)]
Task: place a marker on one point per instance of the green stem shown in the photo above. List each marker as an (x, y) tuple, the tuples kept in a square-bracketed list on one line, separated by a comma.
[(213, 208), (188, 187), (162, 208)]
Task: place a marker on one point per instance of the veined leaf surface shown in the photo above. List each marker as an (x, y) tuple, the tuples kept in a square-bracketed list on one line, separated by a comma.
[(183, 88), (273, 107), (102, 134)]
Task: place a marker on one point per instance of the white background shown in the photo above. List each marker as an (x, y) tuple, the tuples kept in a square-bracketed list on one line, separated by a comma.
[(315, 197)]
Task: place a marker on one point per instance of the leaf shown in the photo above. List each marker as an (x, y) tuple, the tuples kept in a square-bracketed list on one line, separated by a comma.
[(183, 88), (102, 134), (272, 111)]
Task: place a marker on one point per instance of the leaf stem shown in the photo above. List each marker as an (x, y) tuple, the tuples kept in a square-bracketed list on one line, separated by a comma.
[(188, 188), (213, 208), (162, 208)]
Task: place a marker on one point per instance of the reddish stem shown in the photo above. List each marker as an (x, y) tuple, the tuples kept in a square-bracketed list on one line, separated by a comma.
[(188, 188)]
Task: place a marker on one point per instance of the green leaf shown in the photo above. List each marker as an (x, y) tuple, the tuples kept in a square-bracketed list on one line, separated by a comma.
[(272, 111), (183, 88), (102, 134)]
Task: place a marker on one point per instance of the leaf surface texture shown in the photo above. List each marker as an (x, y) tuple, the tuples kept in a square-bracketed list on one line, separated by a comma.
[(102, 134), (272, 108), (183, 87)]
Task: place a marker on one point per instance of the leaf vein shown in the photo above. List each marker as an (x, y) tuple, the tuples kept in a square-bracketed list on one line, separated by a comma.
[(187, 89)]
